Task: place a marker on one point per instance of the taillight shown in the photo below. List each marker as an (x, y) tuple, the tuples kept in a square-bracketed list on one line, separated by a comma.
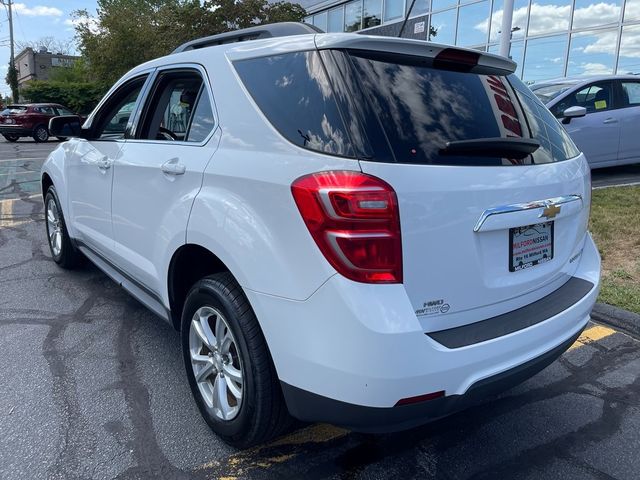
[(354, 220)]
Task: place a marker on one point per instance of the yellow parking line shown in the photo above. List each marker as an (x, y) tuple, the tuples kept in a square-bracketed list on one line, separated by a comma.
[(591, 335)]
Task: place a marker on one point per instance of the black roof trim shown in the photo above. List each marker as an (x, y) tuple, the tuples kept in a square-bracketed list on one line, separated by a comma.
[(283, 29)]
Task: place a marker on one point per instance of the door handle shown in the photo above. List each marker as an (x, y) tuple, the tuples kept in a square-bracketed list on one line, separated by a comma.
[(610, 120), (173, 167)]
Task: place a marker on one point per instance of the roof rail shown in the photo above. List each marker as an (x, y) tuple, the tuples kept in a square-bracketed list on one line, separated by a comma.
[(282, 29)]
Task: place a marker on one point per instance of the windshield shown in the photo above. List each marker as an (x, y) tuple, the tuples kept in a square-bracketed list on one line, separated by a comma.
[(13, 110), (548, 92)]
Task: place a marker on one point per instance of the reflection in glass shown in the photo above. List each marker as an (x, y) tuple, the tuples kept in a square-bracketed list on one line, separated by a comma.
[(309, 19), (443, 27), (320, 21), (419, 8), (549, 16), (440, 4), (632, 10), (372, 13), (519, 22), (544, 58), (515, 54), (588, 13), (353, 16), (629, 59), (393, 9), (335, 22), (592, 53), (472, 24)]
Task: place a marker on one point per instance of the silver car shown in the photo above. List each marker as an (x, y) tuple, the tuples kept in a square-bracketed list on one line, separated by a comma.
[(602, 115)]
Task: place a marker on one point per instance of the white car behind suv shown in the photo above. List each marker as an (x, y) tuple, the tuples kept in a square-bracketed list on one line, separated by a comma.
[(367, 231)]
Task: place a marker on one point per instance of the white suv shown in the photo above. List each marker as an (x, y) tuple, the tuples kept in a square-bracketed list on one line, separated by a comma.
[(367, 231)]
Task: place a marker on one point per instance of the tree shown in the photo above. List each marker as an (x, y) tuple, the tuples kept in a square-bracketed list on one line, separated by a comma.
[(12, 81), (125, 33), (53, 45), (81, 97)]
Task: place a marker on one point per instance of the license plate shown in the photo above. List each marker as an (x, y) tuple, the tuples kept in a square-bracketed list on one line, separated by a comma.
[(530, 245)]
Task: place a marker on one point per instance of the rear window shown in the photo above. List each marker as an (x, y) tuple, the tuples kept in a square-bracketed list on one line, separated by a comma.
[(421, 108), (399, 108), (13, 110)]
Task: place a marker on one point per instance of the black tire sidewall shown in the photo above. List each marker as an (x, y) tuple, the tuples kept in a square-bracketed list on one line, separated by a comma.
[(67, 247), (208, 293), (11, 138)]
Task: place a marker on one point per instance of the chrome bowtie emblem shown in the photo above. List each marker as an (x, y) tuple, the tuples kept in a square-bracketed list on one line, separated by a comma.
[(550, 211)]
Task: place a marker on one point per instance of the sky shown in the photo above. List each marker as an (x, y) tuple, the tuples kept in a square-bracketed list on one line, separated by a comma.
[(34, 19)]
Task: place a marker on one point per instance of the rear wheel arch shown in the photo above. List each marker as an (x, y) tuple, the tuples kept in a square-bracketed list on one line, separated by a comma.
[(189, 263), (46, 183)]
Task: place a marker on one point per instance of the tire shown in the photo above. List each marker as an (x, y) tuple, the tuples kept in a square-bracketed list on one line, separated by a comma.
[(261, 413), (62, 250), (62, 139), (11, 138), (40, 134)]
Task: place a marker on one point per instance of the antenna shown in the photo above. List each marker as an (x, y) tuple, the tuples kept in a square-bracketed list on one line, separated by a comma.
[(406, 17)]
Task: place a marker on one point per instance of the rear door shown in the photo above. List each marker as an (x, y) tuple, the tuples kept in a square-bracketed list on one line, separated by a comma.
[(629, 116), (597, 134), (159, 172), (475, 237)]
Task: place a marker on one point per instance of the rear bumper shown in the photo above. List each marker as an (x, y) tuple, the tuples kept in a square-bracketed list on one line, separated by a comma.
[(308, 406), (17, 130), (351, 351)]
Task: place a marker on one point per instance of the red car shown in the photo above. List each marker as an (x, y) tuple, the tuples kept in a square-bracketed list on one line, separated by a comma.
[(29, 120)]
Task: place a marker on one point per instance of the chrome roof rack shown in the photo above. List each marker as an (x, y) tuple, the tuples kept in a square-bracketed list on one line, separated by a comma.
[(271, 30)]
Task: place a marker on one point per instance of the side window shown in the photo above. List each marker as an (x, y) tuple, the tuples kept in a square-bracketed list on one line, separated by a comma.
[(113, 118), (171, 111), (64, 111), (631, 94), (595, 97)]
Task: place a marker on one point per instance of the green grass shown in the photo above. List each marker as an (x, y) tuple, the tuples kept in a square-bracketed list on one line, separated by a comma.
[(615, 224)]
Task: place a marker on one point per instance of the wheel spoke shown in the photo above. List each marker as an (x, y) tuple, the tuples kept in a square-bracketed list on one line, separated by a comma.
[(220, 397), (199, 358), (50, 215), (232, 372), (58, 241), (220, 332), (233, 388), (206, 370), (201, 327)]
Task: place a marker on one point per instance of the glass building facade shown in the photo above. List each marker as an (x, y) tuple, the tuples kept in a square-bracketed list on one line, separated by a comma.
[(549, 38)]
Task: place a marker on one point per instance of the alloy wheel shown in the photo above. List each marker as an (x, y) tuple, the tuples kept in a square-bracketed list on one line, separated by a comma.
[(216, 364), (54, 227)]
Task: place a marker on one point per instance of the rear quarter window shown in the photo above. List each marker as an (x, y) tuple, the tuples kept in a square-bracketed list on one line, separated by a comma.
[(294, 93)]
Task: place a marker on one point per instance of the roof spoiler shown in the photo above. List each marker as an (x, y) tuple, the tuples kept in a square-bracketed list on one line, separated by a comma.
[(456, 58), (282, 29)]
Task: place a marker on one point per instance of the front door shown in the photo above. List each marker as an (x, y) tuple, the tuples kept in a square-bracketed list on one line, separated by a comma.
[(90, 168), (159, 172)]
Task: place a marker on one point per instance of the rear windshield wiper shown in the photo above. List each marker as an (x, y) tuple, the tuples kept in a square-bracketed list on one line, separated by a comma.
[(505, 147)]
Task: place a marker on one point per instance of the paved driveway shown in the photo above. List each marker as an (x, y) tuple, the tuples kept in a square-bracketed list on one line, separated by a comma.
[(93, 387)]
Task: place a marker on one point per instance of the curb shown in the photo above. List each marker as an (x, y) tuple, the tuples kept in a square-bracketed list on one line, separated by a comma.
[(623, 320)]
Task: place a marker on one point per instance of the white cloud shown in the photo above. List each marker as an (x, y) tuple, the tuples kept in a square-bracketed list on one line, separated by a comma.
[(594, 69), (37, 11)]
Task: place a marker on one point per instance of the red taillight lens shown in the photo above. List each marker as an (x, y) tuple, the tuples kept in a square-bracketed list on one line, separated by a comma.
[(354, 220)]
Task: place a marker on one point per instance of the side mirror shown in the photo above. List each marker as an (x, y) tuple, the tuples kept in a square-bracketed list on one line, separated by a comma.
[(573, 112), (65, 126)]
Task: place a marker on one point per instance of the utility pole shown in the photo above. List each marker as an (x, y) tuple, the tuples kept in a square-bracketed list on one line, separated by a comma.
[(12, 60), (505, 33)]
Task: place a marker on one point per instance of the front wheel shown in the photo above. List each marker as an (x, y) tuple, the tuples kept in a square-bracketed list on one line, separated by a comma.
[(229, 368), (41, 134), (11, 138), (62, 250)]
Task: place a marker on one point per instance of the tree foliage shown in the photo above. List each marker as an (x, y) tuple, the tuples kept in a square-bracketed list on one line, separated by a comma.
[(80, 97), (12, 81), (125, 33)]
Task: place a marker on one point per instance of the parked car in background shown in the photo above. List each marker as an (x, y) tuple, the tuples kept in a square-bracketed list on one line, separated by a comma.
[(29, 120), (602, 115)]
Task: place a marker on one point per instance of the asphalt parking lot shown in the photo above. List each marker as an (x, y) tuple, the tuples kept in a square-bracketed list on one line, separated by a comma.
[(93, 387)]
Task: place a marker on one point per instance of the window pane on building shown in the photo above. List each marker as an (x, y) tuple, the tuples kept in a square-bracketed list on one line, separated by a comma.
[(472, 21), (393, 9), (372, 13), (549, 16), (632, 10), (353, 16), (320, 21), (335, 22), (443, 27), (519, 20), (309, 19), (544, 58), (588, 13), (440, 4), (629, 60), (419, 8), (592, 53)]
